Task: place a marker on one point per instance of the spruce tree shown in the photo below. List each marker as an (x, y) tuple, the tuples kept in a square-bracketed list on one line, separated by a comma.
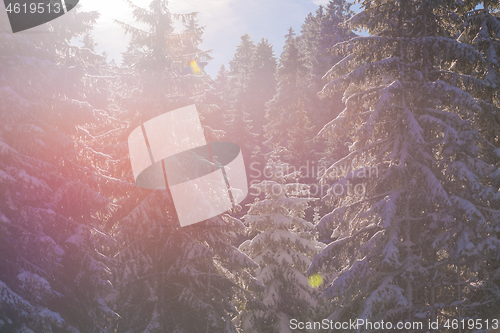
[(53, 190), (241, 65), (216, 106), (412, 248), (169, 278), (481, 29), (262, 84), (287, 111), (238, 121), (320, 32), (283, 248)]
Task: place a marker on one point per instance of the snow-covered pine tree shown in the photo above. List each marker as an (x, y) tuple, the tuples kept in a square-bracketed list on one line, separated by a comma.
[(283, 248), (160, 70), (88, 41), (216, 106), (169, 279), (262, 84), (222, 85), (287, 111), (52, 185), (261, 88), (318, 34), (221, 92), (240, 66), (310, 36), (413, 247), (482, 30), (238, 120), (98, 77), (179, 279)]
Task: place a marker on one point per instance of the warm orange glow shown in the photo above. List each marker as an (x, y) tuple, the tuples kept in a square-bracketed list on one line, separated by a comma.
[(194, 67)]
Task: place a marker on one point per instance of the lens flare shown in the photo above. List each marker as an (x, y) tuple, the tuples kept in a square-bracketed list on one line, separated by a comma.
[(194, 67), (315, 280)]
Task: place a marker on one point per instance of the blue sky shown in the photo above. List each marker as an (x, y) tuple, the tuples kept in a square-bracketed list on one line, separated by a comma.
[(225, 22)]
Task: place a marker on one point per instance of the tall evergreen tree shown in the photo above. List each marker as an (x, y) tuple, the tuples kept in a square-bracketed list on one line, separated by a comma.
[(159, 61), (310, 39), (238, 121), (482, 30), (166, 273), (320, 32), (283, 248), (222, 88), (241, 65), (262, 84), (412, 248), (53, 190), (216, 103), (287, 111)]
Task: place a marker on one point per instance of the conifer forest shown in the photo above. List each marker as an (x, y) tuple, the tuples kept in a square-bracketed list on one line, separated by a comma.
[(371, 147)]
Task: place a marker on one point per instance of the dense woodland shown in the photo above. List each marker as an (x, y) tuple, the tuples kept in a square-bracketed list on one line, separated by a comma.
[(371, 143)]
